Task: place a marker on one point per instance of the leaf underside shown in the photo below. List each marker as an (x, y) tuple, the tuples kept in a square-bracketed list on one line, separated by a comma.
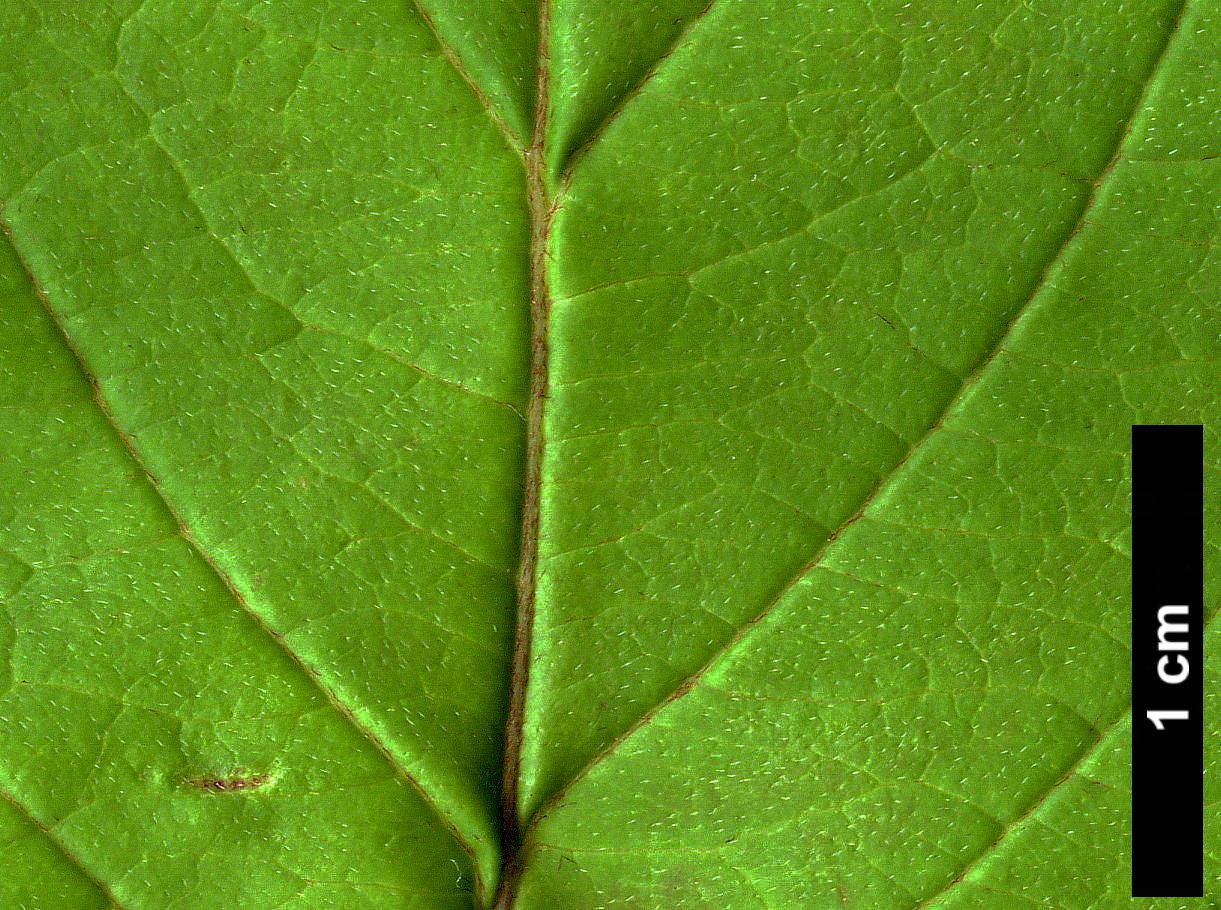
[(730, 401)]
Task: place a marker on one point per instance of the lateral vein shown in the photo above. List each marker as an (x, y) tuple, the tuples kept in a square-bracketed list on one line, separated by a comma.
[(65, 851), (514, 141), (585, 144), (884, 483), (184, 531), (1018, 823)]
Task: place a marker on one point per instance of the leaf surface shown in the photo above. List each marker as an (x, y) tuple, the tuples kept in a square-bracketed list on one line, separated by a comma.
[(589, 455)]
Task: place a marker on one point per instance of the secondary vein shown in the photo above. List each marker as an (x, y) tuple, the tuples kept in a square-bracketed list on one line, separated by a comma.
[(511, 138), (184, 531), (67, 854), (579, 150), (968, 383), (1019, 823)]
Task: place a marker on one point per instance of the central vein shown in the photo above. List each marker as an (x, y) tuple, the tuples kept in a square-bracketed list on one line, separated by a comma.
[(542, 209)]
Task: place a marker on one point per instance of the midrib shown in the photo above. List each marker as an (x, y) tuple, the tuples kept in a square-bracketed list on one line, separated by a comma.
[(542, 206)]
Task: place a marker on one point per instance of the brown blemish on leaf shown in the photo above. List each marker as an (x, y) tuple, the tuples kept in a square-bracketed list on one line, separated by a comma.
[(230, 784)]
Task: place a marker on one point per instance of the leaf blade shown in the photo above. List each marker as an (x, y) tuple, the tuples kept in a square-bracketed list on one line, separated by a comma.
[(824, 282)]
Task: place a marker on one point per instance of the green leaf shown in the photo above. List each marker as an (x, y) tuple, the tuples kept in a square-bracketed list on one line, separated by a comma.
[(704, 486)]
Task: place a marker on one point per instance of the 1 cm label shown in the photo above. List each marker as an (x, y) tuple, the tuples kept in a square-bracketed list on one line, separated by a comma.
[(1174, 667)]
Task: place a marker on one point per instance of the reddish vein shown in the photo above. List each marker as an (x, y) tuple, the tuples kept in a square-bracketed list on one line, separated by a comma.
[(1012, 326), (542, 209), (227, 580), (67, 853)]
